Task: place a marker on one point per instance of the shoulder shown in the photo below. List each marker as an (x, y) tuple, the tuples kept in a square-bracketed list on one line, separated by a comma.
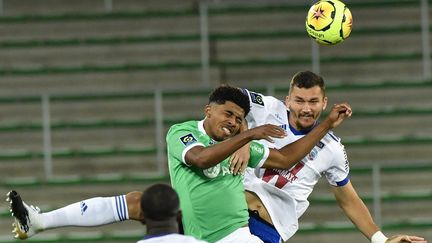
[(260, 100), (188, 125), (333, 143)]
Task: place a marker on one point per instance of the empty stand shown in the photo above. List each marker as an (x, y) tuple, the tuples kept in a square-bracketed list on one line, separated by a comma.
[(100, 65)]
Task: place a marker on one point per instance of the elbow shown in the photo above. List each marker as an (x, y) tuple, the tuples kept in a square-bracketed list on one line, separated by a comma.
[(201, 162)]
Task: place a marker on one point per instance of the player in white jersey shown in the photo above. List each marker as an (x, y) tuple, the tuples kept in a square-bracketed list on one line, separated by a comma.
[(277, 198), (160, 207)]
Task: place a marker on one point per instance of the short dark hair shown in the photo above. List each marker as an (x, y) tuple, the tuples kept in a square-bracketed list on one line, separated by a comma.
[(307, 80), (225, 93), (160, 202)]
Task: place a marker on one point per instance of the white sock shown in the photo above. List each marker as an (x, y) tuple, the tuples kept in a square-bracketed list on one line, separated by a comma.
[(91, 212)]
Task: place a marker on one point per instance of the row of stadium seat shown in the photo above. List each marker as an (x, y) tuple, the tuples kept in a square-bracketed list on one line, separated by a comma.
[(92, 64)]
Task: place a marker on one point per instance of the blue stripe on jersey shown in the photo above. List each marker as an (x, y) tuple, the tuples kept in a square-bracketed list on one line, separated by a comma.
[(124, 207), (245, 91), (333, 136), (297, 132), (121, 208), (343, 182), (117, 208)]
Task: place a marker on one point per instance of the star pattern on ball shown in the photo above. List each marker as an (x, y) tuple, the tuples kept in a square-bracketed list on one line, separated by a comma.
[(319, 13)]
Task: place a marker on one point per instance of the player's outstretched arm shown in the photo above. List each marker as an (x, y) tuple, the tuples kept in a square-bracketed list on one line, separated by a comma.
[(354, 208), (290, 154), (206, 157)]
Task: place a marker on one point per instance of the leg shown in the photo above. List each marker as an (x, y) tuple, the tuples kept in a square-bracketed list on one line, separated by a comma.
[(133, 200), (91, 212)]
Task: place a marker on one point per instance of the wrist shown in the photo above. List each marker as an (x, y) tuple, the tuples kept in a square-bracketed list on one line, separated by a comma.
[(378, 237), (327, 123)]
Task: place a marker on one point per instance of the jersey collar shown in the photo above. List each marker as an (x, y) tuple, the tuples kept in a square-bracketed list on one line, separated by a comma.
[(201, 127), (298, 132)]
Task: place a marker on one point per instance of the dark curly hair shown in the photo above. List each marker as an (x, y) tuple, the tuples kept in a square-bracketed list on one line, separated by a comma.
[(160, 202), (225, 93)]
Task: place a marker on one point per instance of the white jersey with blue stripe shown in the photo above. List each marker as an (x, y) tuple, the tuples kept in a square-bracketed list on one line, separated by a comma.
[(284, 193)]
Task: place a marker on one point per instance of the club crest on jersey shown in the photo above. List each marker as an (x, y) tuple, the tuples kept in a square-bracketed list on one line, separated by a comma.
[(188, 139), (212, 172), (256, 99), (312, 155)]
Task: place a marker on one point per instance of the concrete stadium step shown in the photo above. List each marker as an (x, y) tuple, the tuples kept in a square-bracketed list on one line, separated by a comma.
[(110, 27), (100, 55), (85, 165), (364, 17), (82, 6), (301, 46), (133, 108), (334, 73), (388, 154), (116, 81), (407, 182), (82, 138), (382, 127)]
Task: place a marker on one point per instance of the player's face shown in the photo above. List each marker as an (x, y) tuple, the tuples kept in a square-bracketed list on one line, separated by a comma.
[(223, 121), (305, 106)]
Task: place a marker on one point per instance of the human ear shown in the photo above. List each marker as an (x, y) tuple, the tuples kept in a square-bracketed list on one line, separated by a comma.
[(325, 103), (207, 111)]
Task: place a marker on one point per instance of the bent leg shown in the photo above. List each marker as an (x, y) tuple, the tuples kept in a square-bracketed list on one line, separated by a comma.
[(133, 200)]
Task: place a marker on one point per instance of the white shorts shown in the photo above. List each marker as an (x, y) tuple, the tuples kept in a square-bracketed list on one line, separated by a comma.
[(242, 235)]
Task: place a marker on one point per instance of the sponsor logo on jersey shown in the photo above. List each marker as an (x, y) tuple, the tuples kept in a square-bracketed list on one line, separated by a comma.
[(256, 99), (320, 145), (283, 177), (346, 159), (212, 172), (258, 149), (188, 139), (312, 155), (83, 207)]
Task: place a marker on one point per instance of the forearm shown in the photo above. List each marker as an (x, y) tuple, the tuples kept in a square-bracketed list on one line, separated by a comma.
[(299, 149), (359, 214), (210, 156)]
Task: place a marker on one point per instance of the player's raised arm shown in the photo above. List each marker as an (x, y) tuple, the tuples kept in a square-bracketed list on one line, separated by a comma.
[(290, 154), (206, 157)]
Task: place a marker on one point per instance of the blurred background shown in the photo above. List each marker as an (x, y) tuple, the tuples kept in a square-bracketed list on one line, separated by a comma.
[(90, 87)]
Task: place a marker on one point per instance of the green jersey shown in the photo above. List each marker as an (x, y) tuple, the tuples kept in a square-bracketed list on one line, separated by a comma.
[(212, 200)]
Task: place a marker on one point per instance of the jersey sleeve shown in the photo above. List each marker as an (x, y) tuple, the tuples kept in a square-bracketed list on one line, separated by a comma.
[(180, 140), (258, 154), (338, 172)]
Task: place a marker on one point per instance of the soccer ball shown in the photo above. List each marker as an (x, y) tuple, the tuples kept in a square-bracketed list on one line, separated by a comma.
[(329, 22)]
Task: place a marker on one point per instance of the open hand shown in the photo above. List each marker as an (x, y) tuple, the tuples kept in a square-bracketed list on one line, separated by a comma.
[(239, 160), (266, 132), (406, 239)]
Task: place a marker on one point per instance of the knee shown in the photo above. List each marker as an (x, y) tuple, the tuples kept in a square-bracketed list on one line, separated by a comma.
[(133, 200)]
